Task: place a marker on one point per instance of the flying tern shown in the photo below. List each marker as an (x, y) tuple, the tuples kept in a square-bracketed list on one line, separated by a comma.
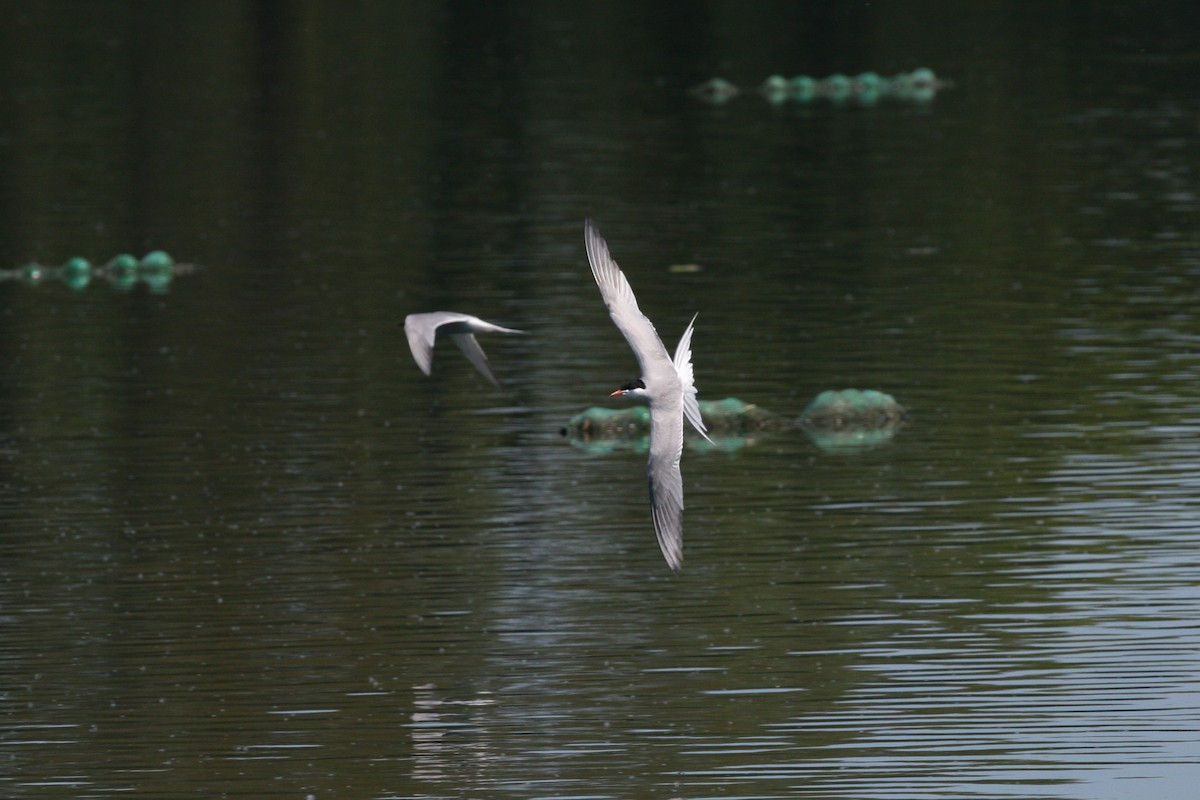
[(666, 384), (422, 329)]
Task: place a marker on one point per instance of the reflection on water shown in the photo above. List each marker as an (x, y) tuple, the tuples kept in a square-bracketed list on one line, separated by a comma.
[(249, 550)]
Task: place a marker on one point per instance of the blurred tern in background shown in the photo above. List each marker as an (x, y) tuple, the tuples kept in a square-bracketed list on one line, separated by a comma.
[(422, 329)]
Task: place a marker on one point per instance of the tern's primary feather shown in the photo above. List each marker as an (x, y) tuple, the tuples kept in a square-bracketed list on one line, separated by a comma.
[(669, 388), (422, 330), (623, 307)]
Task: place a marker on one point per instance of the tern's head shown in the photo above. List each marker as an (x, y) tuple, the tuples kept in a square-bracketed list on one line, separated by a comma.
[(633, 389)]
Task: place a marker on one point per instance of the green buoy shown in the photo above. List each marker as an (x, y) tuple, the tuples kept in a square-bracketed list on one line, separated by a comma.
[(76, 273)]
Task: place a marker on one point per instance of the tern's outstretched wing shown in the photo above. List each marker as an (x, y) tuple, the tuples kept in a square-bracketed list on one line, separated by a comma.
[(469, 345), (421, 330), (666, 482), (623, 308)]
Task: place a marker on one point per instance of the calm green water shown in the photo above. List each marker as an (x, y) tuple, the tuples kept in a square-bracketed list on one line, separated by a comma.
[(247, 549)]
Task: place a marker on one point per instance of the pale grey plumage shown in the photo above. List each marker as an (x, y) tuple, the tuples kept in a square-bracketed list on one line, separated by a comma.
[(669, 388), (422, 330)]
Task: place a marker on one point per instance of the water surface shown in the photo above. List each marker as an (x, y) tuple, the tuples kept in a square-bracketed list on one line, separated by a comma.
[(249, 550)]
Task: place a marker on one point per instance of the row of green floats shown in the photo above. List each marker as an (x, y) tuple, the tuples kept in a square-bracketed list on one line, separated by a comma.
[(155, 270), (868, 88)]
